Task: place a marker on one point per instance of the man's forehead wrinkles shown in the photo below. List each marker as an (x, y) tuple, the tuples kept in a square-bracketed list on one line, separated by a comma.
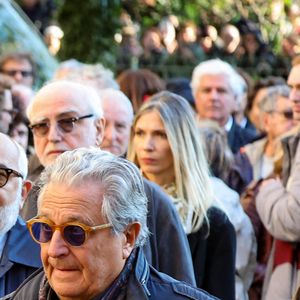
[(66, 113)]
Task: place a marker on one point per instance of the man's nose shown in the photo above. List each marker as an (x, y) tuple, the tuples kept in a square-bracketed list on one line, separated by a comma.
[(57, 245), (214, 94), (18, 76), (54, 134), (110, 132)]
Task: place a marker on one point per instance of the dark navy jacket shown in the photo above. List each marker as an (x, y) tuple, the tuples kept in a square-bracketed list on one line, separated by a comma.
[(238, 137), (144, 283), (20, 258)]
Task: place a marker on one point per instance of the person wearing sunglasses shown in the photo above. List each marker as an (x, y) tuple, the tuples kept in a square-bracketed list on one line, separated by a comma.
[(18, 66), (276, 119), (19, 256), (91, 226), (66, 115)]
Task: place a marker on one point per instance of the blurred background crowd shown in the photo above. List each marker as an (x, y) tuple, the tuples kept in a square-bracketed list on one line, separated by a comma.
[(231, 61)]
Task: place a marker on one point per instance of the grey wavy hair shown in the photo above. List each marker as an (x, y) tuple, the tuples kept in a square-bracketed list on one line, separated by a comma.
[(124, 199), (269, 102), (217, 67)]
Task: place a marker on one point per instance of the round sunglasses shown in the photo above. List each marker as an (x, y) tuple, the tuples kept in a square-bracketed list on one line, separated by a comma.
[(73, 233)]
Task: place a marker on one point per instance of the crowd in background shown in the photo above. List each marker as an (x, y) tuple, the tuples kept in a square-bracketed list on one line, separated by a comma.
[(222, 145), (173, 44)]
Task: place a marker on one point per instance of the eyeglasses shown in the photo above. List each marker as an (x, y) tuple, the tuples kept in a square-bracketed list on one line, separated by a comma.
[(64, 125), (13, 73), (5, 174), (74, 233), (288, 114), (11, 112)]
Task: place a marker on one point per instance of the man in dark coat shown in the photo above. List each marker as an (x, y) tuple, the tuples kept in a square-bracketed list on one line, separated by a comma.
[(216, 88)]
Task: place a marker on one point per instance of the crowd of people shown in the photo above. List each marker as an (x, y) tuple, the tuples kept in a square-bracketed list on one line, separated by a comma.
[(174, 43), (136, 187)]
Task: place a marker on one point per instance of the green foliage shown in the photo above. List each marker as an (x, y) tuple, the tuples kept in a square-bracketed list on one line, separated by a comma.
[(89, 27), (217, 13)]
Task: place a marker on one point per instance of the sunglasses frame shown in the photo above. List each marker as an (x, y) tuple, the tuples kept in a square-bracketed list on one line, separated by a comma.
[(87, 229), (13, 73), (8, 172), (72, 120)]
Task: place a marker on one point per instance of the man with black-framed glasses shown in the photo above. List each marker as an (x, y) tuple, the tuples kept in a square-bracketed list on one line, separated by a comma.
[(19, 257)]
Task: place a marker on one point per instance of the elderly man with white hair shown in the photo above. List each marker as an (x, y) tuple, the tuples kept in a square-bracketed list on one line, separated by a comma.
[(19, 254), (216, 87), (118, 114)]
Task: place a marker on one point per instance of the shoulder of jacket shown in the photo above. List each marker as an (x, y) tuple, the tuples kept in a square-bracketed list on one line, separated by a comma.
[(29, 289), (190, 292), (182, 289)]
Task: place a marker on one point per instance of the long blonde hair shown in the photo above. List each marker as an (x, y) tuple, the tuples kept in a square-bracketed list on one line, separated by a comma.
[(190, 165)]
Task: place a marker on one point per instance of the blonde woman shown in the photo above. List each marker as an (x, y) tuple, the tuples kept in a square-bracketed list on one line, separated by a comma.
[(165, 145)]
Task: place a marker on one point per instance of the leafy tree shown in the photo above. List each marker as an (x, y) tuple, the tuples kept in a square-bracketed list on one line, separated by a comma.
[(89, 27)]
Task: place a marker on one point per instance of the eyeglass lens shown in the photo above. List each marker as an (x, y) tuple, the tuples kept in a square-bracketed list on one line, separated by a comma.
[(288, 114), (3, 177), (73, 234)]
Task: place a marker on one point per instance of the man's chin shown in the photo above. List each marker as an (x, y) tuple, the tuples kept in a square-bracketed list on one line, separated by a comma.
[(113, 149), (50, 158)]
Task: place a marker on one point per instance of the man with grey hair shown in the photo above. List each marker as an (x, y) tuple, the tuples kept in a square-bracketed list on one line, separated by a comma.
[(67, 115), (19, 256), (277, 119), (118, 114), (216, 87), (91, 225)]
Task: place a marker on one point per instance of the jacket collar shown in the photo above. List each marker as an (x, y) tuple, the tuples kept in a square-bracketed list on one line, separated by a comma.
[(137, 284)]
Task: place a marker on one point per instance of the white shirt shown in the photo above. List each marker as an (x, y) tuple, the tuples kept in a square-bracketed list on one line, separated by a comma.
[(229, 124)]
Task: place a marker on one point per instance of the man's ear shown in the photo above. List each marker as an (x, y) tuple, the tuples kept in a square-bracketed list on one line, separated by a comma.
[(26, 187), (100, 124), (130, 236)]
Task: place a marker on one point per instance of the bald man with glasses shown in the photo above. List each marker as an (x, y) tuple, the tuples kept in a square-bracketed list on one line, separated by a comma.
[(19, 255)]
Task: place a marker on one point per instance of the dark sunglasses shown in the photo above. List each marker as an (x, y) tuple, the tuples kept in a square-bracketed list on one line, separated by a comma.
[(5, 174), (64, 125), (14, 72), (288, 114), (73, 233)]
